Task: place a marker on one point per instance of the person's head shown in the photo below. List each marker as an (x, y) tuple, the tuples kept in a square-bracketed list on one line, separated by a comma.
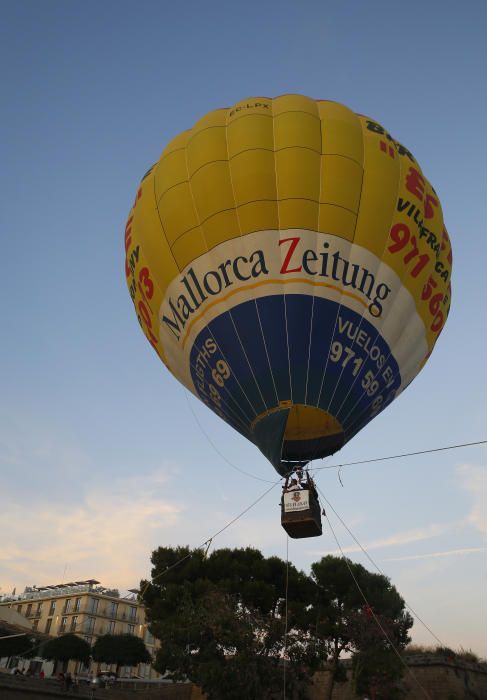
[(294, 482)]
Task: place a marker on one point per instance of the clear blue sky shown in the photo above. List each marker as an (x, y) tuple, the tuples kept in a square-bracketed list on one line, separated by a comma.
[(101, 456)]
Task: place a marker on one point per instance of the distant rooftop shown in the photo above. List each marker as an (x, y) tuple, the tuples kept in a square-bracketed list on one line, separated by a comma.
[(70, 588), (72, 584)]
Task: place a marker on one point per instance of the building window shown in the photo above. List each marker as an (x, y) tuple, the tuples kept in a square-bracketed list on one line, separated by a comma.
[(112, 612), (48, 625), (84, 668), (39, 609), (111, 627), (29, 610), (132, 613), (35, 624), (52, 609), (67, 605), (62, 626), (19, 609), (131, 629), (77, 605), (90, 625), (74, 622), (145, 670), (93, 606)]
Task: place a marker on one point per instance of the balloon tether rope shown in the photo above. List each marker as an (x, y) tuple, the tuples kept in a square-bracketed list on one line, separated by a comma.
[(286, 617), (375, 565), (377, 621)]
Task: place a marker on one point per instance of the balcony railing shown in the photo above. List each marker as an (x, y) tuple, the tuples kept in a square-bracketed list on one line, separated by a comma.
[(132, 619), (117, 615)]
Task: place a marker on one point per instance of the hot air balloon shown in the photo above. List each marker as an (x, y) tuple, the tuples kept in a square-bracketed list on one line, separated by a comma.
[(288, 261)]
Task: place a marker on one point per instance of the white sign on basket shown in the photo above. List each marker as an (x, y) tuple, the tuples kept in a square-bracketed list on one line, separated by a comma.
[(296, 500)]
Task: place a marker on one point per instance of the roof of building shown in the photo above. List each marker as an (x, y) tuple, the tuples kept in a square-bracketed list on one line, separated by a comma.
[(67, 589)]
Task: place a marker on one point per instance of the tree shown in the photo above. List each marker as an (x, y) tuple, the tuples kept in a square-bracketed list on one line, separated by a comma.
[(221, 621), (17, 644), (369, 630), (121, 649), (377, 672), (65, 648)]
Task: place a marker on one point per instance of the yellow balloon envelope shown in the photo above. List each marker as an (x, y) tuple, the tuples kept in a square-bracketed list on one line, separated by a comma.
[(288, 261)]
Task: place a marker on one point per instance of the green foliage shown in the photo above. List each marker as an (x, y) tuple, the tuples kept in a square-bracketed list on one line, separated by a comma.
[(65, 648), (468, 655), (368, 631), (377, 671), (214, 646), (121, 649), (446, 653), (24, 646), (221, 621)]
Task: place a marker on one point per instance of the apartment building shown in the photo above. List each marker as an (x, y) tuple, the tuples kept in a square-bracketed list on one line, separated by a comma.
[(87, 609)]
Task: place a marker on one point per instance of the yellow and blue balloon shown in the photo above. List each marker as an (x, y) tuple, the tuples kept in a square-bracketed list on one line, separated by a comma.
[(288, 261)]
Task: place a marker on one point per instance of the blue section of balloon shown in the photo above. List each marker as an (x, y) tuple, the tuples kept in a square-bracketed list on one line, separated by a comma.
[(297, 348)]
